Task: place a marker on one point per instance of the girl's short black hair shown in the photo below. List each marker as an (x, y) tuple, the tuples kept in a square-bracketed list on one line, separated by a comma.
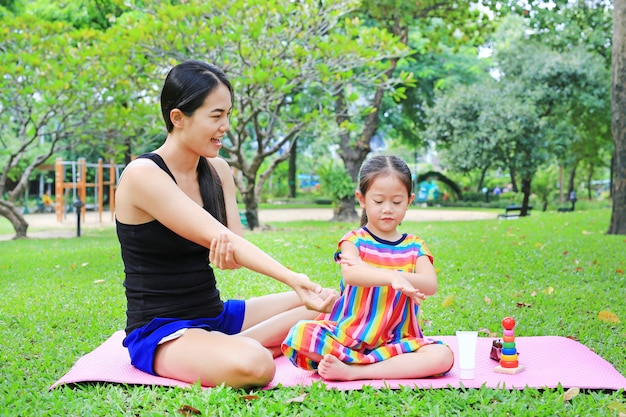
[(383, 165)]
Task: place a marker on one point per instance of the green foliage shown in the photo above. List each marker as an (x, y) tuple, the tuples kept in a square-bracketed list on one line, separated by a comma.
[(81, 14), (336, 182), (544, 184), (562, 268), (570, 23), (285, 68), (541, 103), (443, 69), (94, 91), (9, 7), (487, 126), (52, 90), (443, 37)]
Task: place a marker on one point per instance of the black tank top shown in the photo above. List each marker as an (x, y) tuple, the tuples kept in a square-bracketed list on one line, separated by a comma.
[(167, 276)]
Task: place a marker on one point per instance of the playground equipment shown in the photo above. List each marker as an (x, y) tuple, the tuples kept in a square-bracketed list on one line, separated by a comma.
[(427, 187), (79, 186)]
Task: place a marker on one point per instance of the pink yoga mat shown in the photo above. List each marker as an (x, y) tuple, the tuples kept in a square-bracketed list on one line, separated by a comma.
[(549, 361)]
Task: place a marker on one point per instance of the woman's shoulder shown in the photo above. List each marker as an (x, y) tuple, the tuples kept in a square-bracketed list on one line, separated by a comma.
[(142, 169), (139, 165), (218, 163), (221, 166)]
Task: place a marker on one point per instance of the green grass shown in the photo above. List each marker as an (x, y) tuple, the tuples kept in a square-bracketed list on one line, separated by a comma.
[(554, 273)]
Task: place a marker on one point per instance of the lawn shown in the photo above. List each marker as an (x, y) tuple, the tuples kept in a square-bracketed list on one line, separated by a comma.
[(553, 272)]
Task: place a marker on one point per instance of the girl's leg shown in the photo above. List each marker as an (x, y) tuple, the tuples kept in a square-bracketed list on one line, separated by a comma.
[(429, 360), (214, 358), (269, 318)]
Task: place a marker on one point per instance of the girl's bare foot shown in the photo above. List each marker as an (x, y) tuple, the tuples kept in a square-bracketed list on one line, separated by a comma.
[(332, 368)]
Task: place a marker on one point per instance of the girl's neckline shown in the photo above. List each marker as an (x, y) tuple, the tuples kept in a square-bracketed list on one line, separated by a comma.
[(384, 241)]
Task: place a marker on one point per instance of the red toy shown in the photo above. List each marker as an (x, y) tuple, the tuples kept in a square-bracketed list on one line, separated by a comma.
[(509, 363)]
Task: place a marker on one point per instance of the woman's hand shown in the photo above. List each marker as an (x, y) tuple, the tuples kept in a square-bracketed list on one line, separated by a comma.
[(222, 254), (313, 296)]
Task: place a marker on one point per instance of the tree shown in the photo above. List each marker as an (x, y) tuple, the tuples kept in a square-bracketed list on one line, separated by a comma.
[(489, 125), (81, 14), (297, 52), (437, 22), (53, 86), (518, 122), (618, 117), (565, 26), (567, 87)]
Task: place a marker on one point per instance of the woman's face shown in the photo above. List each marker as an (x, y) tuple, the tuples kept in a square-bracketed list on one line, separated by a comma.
[(207, 126)]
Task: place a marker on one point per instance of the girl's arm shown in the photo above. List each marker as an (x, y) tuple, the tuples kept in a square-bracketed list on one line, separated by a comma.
[(153, 195), (356, 272)]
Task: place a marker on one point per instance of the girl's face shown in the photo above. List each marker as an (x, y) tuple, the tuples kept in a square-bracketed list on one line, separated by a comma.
[(207, 126), (385, 203)]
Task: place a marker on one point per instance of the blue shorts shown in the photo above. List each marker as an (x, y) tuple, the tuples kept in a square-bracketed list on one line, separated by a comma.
[(142, 343)]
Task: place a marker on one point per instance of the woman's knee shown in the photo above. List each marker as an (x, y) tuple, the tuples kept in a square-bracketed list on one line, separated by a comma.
[(215, 359)]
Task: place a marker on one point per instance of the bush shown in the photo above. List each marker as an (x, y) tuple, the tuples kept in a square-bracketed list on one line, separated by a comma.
[(336, 182)]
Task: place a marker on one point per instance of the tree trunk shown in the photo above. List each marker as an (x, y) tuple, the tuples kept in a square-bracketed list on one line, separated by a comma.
[(8, 210), (618, 118), (526, 192), (589, 179), (353, 157), (561, 183), (353, 153), (344, 211), (128, 151), (252, 209), (612, 176), (291, 172), (571, 182), (483, 174), (513, 180)]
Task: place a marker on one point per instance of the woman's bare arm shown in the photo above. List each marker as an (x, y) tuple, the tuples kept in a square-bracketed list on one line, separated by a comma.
[(148, 193)]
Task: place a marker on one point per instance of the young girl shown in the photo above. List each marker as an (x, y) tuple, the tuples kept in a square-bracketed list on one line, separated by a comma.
[(176, 214), (372, 331)]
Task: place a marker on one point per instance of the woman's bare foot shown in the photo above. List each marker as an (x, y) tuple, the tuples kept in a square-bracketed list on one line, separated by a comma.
[(332, 368)]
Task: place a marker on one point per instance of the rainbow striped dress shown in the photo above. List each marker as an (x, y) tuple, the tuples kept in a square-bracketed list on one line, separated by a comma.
[(366, 324)]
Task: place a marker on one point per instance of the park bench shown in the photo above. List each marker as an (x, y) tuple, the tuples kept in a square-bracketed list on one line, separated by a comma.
[(513, 211)]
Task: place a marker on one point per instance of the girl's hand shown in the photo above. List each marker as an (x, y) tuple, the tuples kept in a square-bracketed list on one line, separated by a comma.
[(405, 287), (222, 254), (314, 297)]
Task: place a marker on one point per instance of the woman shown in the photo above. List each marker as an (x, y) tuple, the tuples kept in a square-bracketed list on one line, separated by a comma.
[(172, 206)]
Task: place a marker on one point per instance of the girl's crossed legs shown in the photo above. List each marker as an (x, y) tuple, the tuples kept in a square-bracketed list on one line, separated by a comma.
[(427, 361)]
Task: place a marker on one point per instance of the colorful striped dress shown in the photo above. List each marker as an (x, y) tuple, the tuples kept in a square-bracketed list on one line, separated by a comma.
[(366, 324)]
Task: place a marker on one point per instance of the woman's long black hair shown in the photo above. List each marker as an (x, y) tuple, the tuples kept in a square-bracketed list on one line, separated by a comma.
[(186, 87)]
